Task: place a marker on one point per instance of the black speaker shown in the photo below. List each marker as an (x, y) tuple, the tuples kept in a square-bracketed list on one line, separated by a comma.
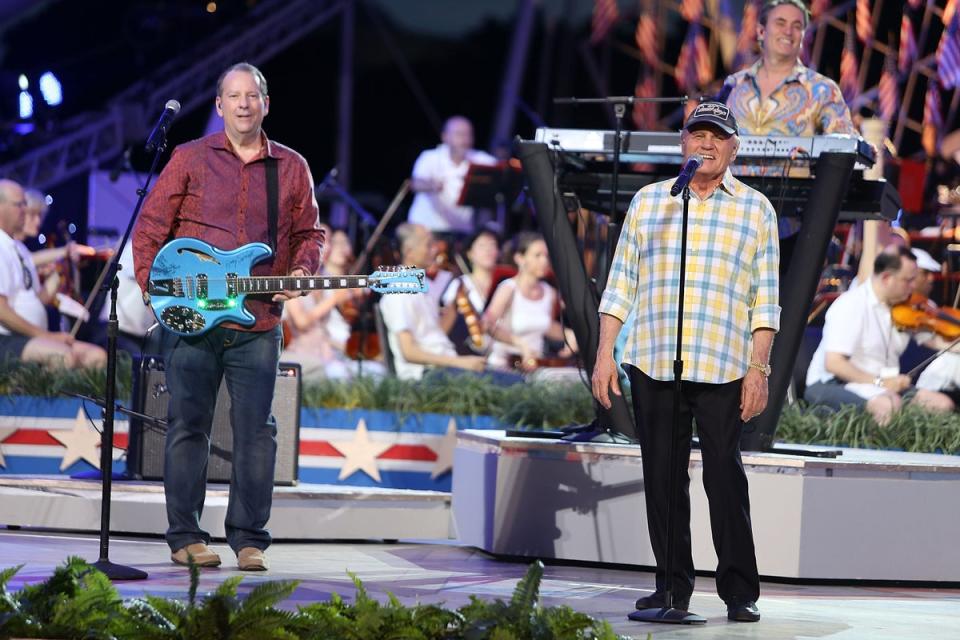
[(145, 453)]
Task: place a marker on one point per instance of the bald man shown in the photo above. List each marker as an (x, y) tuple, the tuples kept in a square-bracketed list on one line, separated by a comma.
[(438, 180), (23, 319)]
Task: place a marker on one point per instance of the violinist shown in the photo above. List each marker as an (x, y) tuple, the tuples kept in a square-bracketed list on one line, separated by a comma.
[(943, 372), (465, 297), (522, 310), (858, 359), (416, 338), (318, 330), (24, 330)]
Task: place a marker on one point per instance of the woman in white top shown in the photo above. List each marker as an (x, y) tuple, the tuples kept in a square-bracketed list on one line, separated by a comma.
[(483, 251), (522, 311)]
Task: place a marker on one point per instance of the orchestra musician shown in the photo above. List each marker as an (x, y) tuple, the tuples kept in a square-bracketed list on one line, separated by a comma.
[(465, 297), (414, 334), (318, 330), (521, 313), (24, 331), (858, 359), (438, 177)]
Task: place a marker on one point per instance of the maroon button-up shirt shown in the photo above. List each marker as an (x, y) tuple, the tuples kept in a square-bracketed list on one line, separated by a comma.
[(207, 192)]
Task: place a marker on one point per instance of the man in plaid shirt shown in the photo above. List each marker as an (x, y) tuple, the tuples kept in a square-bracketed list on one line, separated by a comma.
[(731, 313)]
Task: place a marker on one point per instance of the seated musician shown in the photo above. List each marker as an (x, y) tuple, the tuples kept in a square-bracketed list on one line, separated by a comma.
[(438, 176), (522, 310), (45, 259), (943, 372), (470, 287), (858, 359), (778, 95), (318, 330), (416, 339), (23, 319)]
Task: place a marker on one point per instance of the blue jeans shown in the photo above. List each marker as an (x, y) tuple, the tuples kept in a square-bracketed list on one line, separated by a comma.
[(194, 369)]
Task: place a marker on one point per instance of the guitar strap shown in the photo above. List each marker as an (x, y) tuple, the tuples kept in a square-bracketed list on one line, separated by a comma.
[(273, 201)]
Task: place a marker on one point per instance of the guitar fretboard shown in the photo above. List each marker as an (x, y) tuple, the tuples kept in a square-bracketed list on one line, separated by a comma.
[(276, 284)]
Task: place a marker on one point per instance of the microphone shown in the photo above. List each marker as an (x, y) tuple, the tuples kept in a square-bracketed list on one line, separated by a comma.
[(686, 172), (158, 137)]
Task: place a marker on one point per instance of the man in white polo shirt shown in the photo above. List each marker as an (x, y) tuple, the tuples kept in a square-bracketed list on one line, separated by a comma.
[(858, 360), (438, 177)]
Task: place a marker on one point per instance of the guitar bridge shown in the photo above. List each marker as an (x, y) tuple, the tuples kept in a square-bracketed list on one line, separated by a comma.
[(171, 287)]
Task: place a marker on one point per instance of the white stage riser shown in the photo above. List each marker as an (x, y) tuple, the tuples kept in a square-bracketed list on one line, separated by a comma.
[(304, 513), (586, 503)]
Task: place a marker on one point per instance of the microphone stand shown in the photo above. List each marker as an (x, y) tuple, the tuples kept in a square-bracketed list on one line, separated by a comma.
[(112, 570), (330, 181), (668, 613)]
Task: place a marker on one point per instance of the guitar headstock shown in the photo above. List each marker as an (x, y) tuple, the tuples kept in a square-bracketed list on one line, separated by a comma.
[(399, 279)]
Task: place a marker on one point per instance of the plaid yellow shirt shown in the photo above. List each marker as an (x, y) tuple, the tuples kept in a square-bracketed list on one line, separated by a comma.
[(731, 282)]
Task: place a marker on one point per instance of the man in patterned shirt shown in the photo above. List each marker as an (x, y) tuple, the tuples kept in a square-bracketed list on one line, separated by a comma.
[(778, 95), (731, 313)]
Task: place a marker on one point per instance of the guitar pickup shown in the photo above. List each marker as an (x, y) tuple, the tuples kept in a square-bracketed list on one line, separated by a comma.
[(202, 288), (231, 285)]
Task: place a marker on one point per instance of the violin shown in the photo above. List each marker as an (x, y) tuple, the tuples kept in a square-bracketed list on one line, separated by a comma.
[(471, 319), (918, 313)]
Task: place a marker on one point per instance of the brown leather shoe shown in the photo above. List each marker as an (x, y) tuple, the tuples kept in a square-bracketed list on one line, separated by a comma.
[(202, 555), (252, 559)]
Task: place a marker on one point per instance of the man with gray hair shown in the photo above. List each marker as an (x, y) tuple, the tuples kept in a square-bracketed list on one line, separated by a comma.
[(23, 318)]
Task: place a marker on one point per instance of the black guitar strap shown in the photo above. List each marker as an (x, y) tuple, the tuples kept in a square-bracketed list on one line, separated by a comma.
[(273, 201)]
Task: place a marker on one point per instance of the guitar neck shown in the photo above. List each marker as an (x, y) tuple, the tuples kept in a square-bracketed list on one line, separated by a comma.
[(276, 284)]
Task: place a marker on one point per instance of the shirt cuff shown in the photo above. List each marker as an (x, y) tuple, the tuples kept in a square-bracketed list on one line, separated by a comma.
[(765, 316), (613, 305)]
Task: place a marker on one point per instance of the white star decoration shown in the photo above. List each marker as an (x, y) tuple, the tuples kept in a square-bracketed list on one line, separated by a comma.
[(82, 442), (444, 452), (360, 454), (4, 434)]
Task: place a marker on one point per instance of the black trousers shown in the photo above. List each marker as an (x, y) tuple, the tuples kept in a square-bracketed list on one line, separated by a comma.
[(716, 409)]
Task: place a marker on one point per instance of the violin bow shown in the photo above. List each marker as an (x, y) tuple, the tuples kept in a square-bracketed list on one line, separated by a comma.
[(930, 359), (96, 289), (384, 221)]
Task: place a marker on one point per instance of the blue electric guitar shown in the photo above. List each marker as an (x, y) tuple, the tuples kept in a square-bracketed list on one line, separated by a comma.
[(194, 286)]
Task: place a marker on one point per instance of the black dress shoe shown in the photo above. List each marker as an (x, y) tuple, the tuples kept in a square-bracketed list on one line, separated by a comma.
[(746, 612), (658, 600)]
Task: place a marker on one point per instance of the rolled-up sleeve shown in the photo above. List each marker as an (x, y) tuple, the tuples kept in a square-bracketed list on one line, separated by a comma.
[(618, 297), (765, 313)]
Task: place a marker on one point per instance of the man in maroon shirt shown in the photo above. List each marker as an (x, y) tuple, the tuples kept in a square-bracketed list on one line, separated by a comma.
[(215, 189)]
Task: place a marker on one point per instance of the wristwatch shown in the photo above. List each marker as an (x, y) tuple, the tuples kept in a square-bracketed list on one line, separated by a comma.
[(762, 367)]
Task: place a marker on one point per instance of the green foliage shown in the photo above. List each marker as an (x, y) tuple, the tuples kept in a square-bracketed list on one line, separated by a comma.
[(530, 404), (34, 379), (911, 429), (79, 602)]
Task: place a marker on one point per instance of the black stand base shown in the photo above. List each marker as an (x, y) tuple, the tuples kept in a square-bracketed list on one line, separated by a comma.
[(119, 571), (666, 615)]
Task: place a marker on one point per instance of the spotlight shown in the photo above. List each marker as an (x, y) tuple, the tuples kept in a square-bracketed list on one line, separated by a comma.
[(26, 105), (23, 82), (51, 89)]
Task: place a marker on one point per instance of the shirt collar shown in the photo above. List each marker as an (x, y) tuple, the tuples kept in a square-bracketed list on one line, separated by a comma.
[(797, 74), (872, 296), (221, 141)]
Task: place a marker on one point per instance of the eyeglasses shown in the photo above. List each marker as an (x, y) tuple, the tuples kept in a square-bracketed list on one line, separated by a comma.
[(27, 276)]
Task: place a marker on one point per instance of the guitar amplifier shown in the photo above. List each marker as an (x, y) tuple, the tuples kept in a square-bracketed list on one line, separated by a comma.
[(146, 450)]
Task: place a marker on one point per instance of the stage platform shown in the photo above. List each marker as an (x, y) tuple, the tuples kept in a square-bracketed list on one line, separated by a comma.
[(438, 573), (865, 515), (302, 512)]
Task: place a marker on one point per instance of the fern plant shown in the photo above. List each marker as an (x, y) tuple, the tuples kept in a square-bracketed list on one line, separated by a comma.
[(78, 602)]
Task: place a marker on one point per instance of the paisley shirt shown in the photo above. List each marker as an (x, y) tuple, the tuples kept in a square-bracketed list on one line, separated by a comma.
[(806, 103)]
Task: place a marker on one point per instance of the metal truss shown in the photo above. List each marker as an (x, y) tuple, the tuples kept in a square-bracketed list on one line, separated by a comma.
[(92, 138)]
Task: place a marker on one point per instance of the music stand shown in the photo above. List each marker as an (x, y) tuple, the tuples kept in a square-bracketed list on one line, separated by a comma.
[(491, 186)]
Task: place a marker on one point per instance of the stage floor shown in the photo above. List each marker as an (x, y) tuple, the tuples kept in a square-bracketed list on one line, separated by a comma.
[(448, 574)]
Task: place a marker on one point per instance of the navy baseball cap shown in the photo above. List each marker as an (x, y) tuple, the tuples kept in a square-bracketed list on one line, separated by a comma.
[(715, 113)]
